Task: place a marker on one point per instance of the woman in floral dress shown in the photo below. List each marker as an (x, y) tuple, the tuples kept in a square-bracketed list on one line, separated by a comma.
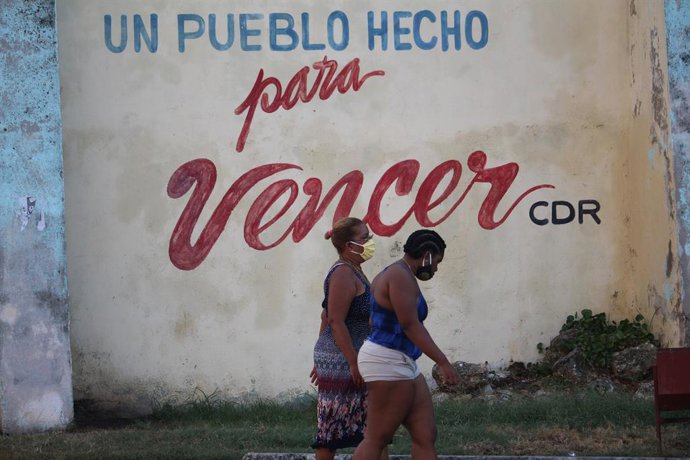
[(341, 409)]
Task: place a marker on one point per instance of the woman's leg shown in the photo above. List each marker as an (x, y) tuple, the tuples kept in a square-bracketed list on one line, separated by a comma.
[(324, 454), (388, 403), (420, 422)]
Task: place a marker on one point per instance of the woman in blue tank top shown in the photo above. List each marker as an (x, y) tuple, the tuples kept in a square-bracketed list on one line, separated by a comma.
[(397, 392)]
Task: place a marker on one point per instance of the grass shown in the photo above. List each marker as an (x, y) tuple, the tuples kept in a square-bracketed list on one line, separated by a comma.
[(586, 423)]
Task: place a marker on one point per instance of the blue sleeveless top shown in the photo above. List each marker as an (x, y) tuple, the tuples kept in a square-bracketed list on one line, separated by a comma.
[(386, 330)]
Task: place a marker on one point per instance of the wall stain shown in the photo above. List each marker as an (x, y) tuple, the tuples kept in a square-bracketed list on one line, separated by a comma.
[(680, 95), (668, 175), (185, 326), (57, 306), (29, 128), (670, 189), (658, 101), (50, 300)]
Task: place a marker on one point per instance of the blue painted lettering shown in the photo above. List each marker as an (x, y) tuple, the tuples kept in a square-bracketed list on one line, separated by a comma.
[(381, 31), (344, 30), (182, 33), (447, 30), (107, 23), (279, 31), (416, 30), (399, 30), (213, 36), (421, 28), (140, 32), (287, 31), (306, 43), (149, 37), (246, 32), (469, 33)]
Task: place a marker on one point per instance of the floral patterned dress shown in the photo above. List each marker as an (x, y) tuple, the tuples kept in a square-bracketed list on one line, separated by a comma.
[(341, 407)]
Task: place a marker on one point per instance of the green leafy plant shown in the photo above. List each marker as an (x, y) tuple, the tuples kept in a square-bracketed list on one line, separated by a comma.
[(598, 338)]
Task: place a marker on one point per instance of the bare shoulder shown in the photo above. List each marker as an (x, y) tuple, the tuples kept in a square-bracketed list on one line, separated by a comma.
[(395, 275), (343, 272), (344, 277), (401, 274)]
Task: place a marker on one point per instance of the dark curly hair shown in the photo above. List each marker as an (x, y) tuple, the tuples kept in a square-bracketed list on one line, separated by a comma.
[(424, 240)]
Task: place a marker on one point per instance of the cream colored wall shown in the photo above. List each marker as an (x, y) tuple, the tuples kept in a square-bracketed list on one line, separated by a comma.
[(554, 90), (650, 218)]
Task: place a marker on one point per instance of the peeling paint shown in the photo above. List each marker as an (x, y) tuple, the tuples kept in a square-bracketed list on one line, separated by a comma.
[(658, 83), (27, 206), (46, 411), (651, 153), (9, 314), (668, 291), (677, 14), (29, 128), (35, 361)]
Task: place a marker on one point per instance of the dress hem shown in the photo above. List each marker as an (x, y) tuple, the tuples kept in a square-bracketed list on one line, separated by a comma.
[(352, 441)]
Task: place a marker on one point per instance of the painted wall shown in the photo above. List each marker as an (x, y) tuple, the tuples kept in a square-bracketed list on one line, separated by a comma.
[(35, 366), (650, 186), (208, 147), (678, 38)]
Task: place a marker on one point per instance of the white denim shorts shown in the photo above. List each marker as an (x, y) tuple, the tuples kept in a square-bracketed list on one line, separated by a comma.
[(377, 362)]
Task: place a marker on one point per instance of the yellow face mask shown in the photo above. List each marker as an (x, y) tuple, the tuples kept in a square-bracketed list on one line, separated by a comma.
[(369, 249)]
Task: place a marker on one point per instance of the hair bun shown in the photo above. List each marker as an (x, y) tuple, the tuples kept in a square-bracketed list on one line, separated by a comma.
[(328, 234)]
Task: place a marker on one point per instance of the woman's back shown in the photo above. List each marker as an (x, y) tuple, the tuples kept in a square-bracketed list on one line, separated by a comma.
[(386, 329)]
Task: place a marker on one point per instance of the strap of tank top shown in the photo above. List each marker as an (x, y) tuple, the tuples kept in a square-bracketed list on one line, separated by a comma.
[(357, 274), (361, 278)]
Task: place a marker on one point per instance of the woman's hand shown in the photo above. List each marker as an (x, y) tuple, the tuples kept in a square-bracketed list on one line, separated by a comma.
[(449, 375), (356, 376), (314, 377)]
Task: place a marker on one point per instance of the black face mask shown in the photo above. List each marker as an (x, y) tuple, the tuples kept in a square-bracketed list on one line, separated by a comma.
[(425, 272)]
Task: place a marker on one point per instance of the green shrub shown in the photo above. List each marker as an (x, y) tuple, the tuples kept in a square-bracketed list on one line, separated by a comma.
[(598, 338)]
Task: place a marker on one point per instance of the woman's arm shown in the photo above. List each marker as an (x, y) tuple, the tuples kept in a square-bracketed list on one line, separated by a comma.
[(403, 293)]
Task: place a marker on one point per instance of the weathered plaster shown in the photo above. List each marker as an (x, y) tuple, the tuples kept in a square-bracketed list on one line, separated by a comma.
[(575, 92), (35, 360), (653, 272), (678, 44)]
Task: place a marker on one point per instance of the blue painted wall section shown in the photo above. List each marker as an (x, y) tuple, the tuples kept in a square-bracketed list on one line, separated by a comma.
[(678, 44), (35, 361)]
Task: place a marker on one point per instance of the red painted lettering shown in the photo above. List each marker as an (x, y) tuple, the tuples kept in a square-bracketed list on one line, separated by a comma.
[(202, 172), (500, 178), (297, 90), (428, 187), (183, 254), (308, 217), (252, 225), (403, 174)]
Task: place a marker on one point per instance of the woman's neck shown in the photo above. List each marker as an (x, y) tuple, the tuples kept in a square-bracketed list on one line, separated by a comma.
[(348, 260), (410, 262)]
